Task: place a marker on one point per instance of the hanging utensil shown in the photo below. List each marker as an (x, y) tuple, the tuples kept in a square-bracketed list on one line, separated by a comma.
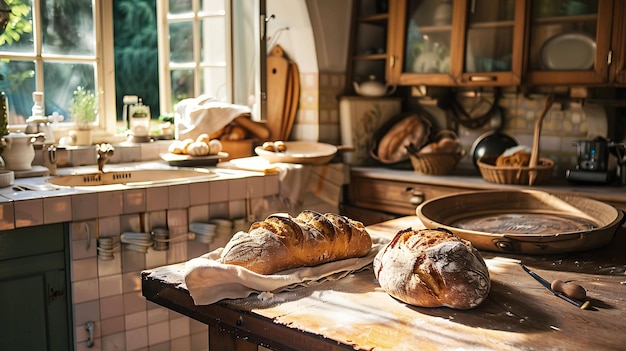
[(570, 292), (534, 155)]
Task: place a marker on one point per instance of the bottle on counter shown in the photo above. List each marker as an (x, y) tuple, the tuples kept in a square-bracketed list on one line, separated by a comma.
[(4, 114)]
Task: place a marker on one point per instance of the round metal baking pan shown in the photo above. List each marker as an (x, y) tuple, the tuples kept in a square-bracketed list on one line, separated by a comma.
[(524, 221)]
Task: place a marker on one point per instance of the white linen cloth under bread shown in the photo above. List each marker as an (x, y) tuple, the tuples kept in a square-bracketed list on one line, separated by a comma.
[(209, 281)]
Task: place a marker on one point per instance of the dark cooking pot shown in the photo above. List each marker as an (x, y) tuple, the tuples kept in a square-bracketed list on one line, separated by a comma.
[(491, 143)]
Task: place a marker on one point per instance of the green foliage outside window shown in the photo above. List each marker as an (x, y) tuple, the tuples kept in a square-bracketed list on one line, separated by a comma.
[(136, 52)]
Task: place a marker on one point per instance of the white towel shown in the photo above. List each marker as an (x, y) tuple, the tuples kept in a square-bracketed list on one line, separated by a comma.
[(209, 281), (205, 115)]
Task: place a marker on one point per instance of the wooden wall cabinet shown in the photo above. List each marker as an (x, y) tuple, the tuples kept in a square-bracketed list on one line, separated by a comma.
[(456, 42), (369, 41), (493, 42), (569, 42)]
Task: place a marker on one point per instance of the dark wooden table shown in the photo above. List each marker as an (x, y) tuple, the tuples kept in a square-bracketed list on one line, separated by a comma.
[(355, 313)]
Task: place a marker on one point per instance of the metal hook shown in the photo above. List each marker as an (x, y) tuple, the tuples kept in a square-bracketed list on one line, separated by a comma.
[(89, 327)]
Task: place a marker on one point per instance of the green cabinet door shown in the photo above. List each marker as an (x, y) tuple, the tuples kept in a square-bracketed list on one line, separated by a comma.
[(34, 289)]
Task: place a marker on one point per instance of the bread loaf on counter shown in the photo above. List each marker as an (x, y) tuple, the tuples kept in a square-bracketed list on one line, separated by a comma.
[(432, 268), (282, 242)]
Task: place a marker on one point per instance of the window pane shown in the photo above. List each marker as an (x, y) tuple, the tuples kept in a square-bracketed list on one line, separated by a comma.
[(18, 36), (213, 48), (214, 83), (180, 6), (68, 27), (212, 6), (60, 81), (181, 42), (182, 85), (18, 85)]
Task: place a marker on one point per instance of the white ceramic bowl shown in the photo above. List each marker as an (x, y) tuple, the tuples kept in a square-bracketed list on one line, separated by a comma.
[(6, 178)]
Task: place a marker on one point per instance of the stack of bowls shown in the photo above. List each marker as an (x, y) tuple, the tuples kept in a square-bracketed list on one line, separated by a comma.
[(205, 232), (139, 242)]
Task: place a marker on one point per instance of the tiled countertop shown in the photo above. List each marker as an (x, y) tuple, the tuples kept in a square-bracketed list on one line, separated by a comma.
[(609, 193), (70, 204)]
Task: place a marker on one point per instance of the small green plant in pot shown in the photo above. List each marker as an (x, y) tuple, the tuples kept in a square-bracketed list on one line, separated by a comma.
[(84, 112), (84, 108)]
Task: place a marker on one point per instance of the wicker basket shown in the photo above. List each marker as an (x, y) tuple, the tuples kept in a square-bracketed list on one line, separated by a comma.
[(435, 163), (538, 171), (514, 175)]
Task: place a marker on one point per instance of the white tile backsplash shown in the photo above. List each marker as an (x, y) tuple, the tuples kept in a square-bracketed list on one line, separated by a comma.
[(136, 339), (136, 320), (57, 209), (157, 199), (110, 285), (178, 196), (110, 307), (135, 201), (85, 290), (84, 206), (109, 292), (199, 193), (110, 203), (28, 213)]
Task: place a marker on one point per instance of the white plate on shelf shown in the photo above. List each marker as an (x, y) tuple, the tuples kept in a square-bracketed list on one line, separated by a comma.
[(300, 152), (569, 51), (192, 161)]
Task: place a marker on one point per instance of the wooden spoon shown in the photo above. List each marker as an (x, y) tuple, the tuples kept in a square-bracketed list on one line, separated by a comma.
[(534, 154)]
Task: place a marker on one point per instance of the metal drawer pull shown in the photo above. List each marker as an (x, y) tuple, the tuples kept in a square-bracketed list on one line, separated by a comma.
[(417, 197), (89, 328), (483, 78)]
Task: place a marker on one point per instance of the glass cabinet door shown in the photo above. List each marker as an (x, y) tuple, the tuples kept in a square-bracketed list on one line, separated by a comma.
[(422, 41), (569, 41), (492, 42), (457, 42)]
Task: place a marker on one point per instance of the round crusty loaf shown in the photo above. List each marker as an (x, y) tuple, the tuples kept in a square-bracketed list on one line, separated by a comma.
[(410, 130), (432, 268), (282, 242)]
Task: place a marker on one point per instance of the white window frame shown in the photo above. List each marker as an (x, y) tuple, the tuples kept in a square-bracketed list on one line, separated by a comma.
[(103, 61), (164, 19)]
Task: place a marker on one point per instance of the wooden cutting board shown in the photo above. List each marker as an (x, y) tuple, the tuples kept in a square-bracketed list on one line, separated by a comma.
[(291, 106), (277, 90)]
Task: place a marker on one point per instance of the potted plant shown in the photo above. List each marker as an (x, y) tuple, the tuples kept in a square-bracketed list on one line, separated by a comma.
[(84, 111)]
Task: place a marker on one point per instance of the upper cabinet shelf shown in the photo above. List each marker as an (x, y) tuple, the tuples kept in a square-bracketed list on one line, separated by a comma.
[(493, 42)]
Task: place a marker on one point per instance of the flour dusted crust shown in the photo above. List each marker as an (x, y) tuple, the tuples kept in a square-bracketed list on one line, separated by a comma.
[(410, 130), (282, 242), (432, 268)]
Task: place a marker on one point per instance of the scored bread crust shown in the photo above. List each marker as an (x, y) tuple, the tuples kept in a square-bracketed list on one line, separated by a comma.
[(282, 242), (410, 130), (432, 268)]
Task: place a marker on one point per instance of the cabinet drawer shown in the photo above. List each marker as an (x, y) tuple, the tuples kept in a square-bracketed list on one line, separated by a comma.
[(394, 196)]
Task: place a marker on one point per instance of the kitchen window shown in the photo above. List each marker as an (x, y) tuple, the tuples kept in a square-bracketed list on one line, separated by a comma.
[(58, 45), (193, 50), (196, 56)]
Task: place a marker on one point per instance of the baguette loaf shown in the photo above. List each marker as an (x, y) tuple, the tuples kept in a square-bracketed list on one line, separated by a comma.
[(282, 242), (432, 268)]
